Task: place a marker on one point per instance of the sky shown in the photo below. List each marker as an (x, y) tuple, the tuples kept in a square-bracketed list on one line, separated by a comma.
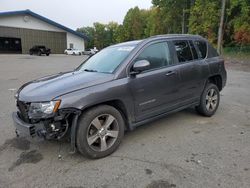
[(77, 13)]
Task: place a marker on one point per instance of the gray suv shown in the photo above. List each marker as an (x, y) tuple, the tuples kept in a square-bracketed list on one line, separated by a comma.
[(121, 87)]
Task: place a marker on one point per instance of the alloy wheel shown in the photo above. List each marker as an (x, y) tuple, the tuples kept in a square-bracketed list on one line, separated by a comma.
[(211, 99), (102, 132)]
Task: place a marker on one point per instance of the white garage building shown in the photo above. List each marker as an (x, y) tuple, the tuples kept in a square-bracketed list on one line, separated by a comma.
[(20, 30)]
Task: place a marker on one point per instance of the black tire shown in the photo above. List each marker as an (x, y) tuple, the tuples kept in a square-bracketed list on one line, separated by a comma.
[(74, 53), (47, 54), (80, 53), (85, 126), (39, 53), (207, 105), (31, 53)]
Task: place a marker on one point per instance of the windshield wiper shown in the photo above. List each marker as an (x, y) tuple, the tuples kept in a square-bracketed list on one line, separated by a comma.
[(90, 70)]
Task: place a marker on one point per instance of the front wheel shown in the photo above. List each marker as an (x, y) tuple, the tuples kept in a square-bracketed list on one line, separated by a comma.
[(100, 131), (209, 101)]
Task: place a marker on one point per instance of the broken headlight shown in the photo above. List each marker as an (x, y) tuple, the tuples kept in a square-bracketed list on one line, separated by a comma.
[(43, 109)]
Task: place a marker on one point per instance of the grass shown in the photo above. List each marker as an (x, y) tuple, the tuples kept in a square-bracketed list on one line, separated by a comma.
[(236, 53)]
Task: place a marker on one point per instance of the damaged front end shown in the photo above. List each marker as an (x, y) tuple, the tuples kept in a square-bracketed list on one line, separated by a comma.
[(43, 119)]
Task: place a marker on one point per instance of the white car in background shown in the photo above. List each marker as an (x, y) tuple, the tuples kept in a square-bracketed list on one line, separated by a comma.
[(90, 51), (72, 51)]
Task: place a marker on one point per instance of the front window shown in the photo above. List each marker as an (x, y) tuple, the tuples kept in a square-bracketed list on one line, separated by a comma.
[(158, 55), (107, 60)]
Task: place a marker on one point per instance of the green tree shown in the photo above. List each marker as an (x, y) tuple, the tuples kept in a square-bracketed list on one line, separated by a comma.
[(119, 34), (239, 15), (89, 32), (204, 19), (173, 14), (100, 36), (112, 28), (134, 24), (155, 23)]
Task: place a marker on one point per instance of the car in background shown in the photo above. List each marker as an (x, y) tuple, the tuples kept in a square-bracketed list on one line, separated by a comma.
[(91, 51), (88, 52), (39, 50), (72, 51)]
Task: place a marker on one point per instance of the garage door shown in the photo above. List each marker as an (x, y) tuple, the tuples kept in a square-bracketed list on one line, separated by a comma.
[(56, 41), (10, 45)]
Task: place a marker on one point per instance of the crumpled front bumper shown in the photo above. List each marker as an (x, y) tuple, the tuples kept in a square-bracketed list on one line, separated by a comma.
[(26, 129)]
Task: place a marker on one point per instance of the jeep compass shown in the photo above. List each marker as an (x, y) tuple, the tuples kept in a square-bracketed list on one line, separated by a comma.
[(119, 88)]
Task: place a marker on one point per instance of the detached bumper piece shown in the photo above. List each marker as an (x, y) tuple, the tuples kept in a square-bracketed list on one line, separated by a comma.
[(23, 128)]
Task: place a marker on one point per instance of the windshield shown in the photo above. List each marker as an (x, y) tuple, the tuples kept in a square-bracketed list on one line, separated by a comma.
[(107, 60)]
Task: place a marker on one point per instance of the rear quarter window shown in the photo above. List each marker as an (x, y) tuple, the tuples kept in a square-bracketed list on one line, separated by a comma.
[(211, 51)]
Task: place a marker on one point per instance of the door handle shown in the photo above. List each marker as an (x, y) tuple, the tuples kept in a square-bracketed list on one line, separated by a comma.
[(169, 73)]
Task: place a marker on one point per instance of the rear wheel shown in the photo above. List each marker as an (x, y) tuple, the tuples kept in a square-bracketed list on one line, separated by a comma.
[(100, 131), (209, 101), (39, 53), (47, 54)]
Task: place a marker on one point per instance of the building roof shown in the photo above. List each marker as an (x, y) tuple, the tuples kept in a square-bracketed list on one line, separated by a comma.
[(29, 12)]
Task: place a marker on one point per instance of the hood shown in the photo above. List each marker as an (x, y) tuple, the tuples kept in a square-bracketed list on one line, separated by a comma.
[(49, 87)]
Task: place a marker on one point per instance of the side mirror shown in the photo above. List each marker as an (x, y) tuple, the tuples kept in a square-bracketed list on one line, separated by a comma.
[(140, 66)]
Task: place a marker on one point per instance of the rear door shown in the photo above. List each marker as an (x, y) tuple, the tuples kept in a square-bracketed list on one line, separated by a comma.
[(155, 91), (190, 71)]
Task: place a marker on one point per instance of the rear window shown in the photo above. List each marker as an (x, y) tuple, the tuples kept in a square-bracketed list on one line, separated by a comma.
[(183, 51), (202, 46)]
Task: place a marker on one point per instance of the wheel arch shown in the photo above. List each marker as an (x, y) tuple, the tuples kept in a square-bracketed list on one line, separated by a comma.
[(217, 80), (118, 105)]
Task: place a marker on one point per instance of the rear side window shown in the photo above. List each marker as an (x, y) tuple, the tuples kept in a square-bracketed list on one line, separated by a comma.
[(183, 51), (157, 54), (202, 46)]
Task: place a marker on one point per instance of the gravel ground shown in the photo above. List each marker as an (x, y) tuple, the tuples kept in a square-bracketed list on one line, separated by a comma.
[(181, 150)]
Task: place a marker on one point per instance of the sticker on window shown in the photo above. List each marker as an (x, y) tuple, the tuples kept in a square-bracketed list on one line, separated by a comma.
[(126, 48)]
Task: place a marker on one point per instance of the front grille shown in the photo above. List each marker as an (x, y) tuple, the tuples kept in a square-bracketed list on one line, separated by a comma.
[(23, 110)]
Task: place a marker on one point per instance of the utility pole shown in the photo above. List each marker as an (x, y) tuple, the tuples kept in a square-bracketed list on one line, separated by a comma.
[(183, 21), (220, 31)]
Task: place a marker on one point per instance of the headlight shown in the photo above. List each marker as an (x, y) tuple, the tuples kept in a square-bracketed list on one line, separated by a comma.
[(43, 109)]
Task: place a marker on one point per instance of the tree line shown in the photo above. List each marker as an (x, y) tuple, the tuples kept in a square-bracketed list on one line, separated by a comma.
[(228, 20)]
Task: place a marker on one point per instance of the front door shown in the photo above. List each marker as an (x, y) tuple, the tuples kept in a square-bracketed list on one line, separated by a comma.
[(155, 91)]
